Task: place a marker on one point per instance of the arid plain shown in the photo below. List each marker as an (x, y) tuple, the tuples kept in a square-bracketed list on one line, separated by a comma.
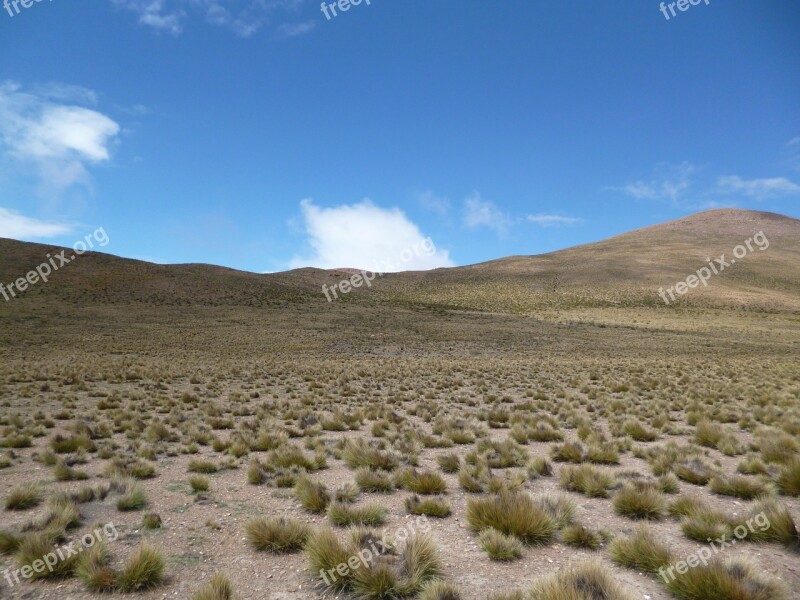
[(564, 433)]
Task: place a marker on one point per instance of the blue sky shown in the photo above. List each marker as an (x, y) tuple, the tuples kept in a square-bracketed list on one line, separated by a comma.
[(260, 135)]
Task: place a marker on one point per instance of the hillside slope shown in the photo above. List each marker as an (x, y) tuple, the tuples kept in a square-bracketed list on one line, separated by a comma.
[(624, 270)]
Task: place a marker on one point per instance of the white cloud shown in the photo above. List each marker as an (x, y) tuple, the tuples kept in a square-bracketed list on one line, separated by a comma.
[(793, 152), (57, 140), (155, 14), (757, 188), (66, 93), (18, 227), (295, 29), (481, 213), (244, 18), (670, 182), (552, 220), (430, 201), (365, 236)]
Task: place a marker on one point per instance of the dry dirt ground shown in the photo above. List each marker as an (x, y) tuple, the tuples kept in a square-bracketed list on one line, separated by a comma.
[(212, 376)]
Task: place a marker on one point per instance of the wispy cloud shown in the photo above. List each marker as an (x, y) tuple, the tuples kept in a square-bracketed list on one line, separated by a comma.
[(244, 17), (295, 29), (758, 189), (19, 227), (482, 213), (436, 204), (155, 14), (670, 182), (552, 220), (363, 236), (57, 140), (793, 151)]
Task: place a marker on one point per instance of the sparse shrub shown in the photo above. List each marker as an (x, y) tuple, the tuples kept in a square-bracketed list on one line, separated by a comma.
[(469, 482), (582, 537), (640, 502), (343, 514), (36, 545), (694, 471), (720, 581), (539, 467), (583, 581), (449, 463), (24, 496), (133, 497), (199, 483), (93, 569), (314, 497), (9, 542), (440, 590), (360, 454), (512, 513), (151, 521), (737, 486), (143, 570), (421, 482), (370, 480), (499, 546), (588, 480), (430, 507), (560, 507), (276, 534), (219, 588), (197, 465), (640, 551), (639, 432), (789, 478), (568, 452)]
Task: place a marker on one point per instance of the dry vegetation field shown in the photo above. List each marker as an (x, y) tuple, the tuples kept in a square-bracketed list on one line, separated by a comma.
[(555, 453)]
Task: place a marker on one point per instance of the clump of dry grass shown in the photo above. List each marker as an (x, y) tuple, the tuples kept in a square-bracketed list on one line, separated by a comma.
[(360, 454), (374, 480), (372, 514), (640, 551), (738, 486), (718, 580), (583, 581), (499, 546), (512, 513), (440, 590), (587, 479), (430, 507), (421, 482), (276, 534), (788, 481), (314, 497), (640, 501), (579, 536), (382, 576), (23, 497), (219, 588), (143, 570), (94, 571)]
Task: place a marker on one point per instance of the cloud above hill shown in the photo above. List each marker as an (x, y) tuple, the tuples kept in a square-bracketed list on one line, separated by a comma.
[(50, 133), (366, 236)]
